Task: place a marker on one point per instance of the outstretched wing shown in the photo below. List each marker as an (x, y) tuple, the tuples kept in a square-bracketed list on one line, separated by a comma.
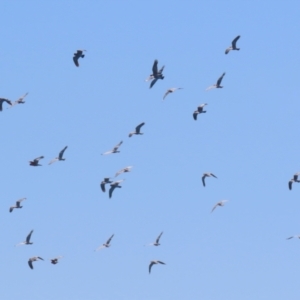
[(220, 79), (29, 236), (150, 266), (203, 180), (108, 241), (53, 161), (75, 59), (138, 128), (102, 185), (154, 68), (157, 240), (18, 202), (61, 153), (30, 264), (195, 114), (112, 187), (152, 83), (234, 41)]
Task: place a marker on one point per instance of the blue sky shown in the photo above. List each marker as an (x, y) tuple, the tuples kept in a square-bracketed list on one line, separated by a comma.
[(247, 138)]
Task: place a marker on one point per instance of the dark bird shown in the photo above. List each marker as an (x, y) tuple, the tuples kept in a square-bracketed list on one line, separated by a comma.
[(54, 261), (32, 259), (60, 156), (20, 100), (156, 74), (233, 45), (27, 242), (294, 236), (154, 262), (156, 243), (105, 245), (113, 186), (207, 175), (199, 111), (294, 179), (77, 55), (218, 84), (169, 91), (114, 150), (104, 182), (35, 162), (137, 130), (221, 203), (4, 100), (18, 205)]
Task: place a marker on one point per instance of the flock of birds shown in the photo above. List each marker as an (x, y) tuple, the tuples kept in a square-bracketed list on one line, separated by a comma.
[(154, 77)]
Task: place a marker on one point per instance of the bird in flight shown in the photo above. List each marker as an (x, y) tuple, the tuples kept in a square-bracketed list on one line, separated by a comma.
[(294, 179), (20, 100), (233, 45), (113, 186), (60, 156), (137, 130), (54, 261), (199, 111), (125, 170), (32, 259), (169, 91), (105, 245), (294, 236), (207, 175), (218, 84), (221, 203), (154, 262), (18, 205), (27, 242), (35, 162), (4, 100), (114, 150), (156, 74), (77, 55), (156, 243), (104, 182)]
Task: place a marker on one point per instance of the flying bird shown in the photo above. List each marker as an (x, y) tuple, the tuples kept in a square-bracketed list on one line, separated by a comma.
[(77, 55), (60, 156), (35, 162), (32, 259), (114, 150), (125, 170), (156, 243), (113, 186), (218, 84), (54, 261), (104, 182), (207, 175), (105, 245), (294, 179), (221, 203), (27, 242), (154, 262), (294, 236), (20, 100), (156, 74), (171, 90), (233, 45), (137, 130), (199, 111), (4, 100), (18, 205)]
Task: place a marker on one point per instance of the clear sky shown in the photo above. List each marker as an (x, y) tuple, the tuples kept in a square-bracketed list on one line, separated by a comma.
[(247, 138)]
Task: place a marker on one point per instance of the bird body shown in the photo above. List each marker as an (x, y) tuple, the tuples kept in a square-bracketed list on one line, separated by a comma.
[(207, 175), (233, 45), (32, 259), (76, 57), (137, 130), (35, 162), (20, 100), (156, 74), (54, 261), (18, 205), (171, 90), (154, 262), (218, 84), (60, 156)]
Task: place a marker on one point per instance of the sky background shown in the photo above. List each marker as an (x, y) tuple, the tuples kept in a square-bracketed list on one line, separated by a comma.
[(247, 138)]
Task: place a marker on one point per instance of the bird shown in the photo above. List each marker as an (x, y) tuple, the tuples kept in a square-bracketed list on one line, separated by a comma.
[(217, 85), (27, 242), (156, 243), (207, 175), (35, 162), (156, 74), (113, 186), (77, 55), (32, 259), (294, 236), (104, 182), (105, 245), (233, 45), (221, 203), (114, 150), (20, 100), (125, 170), (154, 262), (171, 90), (17, 205), (4, 100), (137, 130), (294, 179), (54, 261), (199, 111), (60, 156)]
